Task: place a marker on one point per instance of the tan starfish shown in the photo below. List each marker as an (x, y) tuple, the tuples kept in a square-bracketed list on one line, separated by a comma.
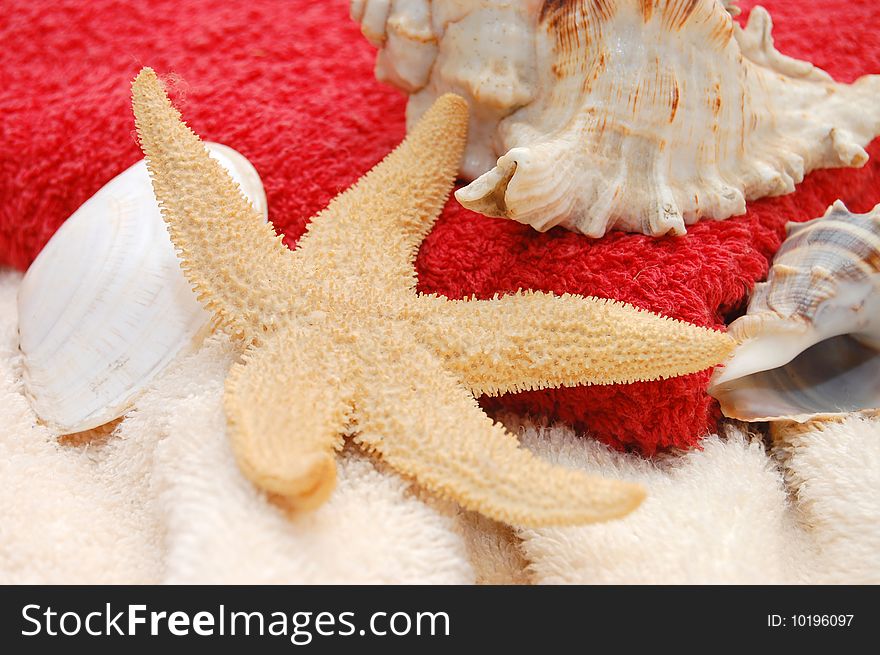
[(338, 341)]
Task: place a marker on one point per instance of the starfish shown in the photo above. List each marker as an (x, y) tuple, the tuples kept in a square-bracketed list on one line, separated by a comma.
[(337, 341)]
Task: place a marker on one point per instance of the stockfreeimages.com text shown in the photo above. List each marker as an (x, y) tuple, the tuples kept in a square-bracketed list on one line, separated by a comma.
[(299, 627)]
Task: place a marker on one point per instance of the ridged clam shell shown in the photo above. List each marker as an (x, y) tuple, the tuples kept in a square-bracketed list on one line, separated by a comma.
[(638, 115), (105, 306), (809, 344)]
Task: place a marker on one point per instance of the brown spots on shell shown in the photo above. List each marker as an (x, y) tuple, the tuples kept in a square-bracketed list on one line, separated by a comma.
[(562, 21), (721, 34), (676, 97), (602, 124), (598, 67), (633, 98), (784, 271), (659, 80), (872, 260), (574, 21), (677, 12), (663, 90), (647, 8), (715, 101), (554, 9), (604, 8)]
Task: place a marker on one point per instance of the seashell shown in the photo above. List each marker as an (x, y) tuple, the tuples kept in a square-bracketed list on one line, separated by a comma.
[(105, 306), (637, 115), (809, 345), (731, 7)]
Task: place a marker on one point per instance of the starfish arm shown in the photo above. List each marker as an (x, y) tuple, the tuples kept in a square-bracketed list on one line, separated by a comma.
[(536, 340), (239, 267), (373, 230), (425, 424), (286, 407)]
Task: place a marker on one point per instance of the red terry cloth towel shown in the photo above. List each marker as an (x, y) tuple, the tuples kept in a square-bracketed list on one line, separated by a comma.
[(289, 83)]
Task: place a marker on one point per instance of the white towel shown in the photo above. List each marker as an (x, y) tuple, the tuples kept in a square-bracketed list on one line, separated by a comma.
[(161, 500)]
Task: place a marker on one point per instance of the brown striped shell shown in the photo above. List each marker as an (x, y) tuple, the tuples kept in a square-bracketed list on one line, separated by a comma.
[(638, 115), (809, 345)]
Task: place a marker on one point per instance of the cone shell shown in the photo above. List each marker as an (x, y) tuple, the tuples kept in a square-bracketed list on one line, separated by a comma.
[(638, 115), (105, 306), (809, 345)]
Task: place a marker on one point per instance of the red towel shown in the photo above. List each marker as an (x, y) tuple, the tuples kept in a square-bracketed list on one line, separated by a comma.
[(289, 83)]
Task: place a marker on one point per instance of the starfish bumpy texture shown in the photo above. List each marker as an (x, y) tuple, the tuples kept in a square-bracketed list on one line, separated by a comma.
[(338, 341)]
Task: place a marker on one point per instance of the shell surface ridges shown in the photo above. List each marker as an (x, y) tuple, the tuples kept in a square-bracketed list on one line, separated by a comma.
[(105, 307), (809, 345), (637, 115)]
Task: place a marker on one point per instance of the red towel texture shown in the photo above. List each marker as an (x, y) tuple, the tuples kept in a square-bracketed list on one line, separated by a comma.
[(289, 83)]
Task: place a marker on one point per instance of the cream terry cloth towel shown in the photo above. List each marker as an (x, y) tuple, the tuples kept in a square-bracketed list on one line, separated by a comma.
[(160, 500)]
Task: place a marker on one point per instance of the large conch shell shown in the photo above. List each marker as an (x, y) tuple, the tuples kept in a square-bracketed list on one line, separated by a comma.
[(809, 345), (638, 115), (105, 306)]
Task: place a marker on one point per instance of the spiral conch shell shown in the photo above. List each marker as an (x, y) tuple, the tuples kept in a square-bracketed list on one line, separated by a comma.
[(105, 307), (809, 345), (638, 115)]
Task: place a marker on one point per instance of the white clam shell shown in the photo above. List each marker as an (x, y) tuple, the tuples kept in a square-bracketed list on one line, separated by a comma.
[(809, 345), (643, 116), (105, 305)]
